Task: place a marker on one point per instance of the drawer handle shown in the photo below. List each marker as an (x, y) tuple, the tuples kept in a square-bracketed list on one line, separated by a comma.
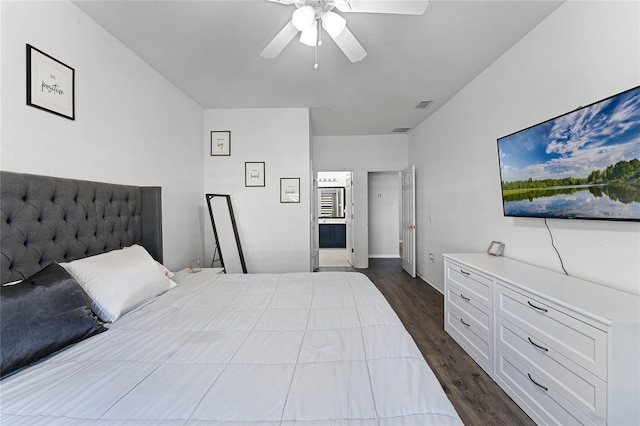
[(537, 384), (537, 346), (465, 298), (465, 272), (464, 323), (537, 307)]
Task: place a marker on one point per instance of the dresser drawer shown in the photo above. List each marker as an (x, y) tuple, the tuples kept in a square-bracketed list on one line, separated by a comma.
[(473, 283), (469, 334), (582, 389), (528, 390), (476, 312), (579, 342)]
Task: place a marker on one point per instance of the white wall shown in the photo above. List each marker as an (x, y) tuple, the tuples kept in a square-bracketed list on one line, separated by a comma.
[(275, 237), (361, 155), (583, 52), (384, 214), (132, 126)]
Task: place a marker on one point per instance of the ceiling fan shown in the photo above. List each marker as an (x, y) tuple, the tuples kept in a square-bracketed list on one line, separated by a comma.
[(311, 16)]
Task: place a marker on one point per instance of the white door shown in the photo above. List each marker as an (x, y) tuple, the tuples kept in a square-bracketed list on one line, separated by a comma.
[(348, 214), (409, 220)]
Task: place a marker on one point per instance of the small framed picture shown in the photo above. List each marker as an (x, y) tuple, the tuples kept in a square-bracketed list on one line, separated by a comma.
[(496, 248), (50, 84), (220, 143), (289, 190), (254, 173)]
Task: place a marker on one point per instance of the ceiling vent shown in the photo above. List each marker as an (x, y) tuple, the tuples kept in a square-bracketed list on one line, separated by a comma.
[(401, 130), (423, 104)]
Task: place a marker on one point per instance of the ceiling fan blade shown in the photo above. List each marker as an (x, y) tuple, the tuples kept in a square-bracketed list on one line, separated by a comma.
[(280, 41), (401, 7), (350, 46)]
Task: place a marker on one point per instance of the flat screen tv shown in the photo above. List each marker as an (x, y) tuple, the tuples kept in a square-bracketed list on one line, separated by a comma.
[(581, 165)]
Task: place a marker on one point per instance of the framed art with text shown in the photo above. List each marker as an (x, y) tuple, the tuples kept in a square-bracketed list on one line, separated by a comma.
[(220, 143), (289, 190), (50, 84), (254, 173)]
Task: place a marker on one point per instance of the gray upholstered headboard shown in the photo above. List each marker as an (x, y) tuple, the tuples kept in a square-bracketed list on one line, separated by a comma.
[(49, 219)]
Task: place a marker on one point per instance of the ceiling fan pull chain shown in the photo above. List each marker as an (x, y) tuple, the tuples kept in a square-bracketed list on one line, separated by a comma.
[(315, 66), (318, 43)]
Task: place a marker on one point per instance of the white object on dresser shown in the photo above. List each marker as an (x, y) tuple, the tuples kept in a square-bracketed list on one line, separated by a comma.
[(565, 349)]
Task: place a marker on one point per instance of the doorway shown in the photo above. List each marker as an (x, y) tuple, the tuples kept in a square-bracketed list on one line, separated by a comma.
[(384, 215), (334, 212), (391, 217)]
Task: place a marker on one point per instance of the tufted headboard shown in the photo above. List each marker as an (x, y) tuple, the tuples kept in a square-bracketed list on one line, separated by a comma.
[(49, 219)]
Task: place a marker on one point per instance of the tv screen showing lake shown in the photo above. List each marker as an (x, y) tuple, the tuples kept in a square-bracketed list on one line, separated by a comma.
[(584, 164), (579, 203)]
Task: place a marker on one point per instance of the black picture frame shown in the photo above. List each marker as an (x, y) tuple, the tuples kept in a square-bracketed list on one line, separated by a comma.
[(50, 84), (254, 173), (289, 190), (220, 143)]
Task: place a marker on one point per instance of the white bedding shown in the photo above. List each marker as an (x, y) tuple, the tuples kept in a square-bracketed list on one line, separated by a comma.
[(292, 349)]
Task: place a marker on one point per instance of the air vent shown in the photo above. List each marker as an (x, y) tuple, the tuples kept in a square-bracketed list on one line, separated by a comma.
[(401, 130), (423, 104)]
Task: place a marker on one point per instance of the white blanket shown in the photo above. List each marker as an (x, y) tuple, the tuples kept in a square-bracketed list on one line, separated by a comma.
[(293, 349)]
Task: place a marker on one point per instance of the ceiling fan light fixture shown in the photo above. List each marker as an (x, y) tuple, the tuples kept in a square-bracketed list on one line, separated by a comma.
[(304, 17), (308, 12), (310, 35), (333, 23), (342, 5)]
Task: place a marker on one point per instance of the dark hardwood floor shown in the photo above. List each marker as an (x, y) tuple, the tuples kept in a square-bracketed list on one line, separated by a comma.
[(476, 397)]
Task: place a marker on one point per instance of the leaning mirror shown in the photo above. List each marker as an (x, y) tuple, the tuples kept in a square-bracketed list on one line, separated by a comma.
[(227, 248)]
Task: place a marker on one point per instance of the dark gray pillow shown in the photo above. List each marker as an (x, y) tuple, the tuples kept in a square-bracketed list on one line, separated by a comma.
[(41, 315)]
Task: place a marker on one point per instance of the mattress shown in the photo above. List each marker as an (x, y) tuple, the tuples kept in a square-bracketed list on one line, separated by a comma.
[(260, 349)]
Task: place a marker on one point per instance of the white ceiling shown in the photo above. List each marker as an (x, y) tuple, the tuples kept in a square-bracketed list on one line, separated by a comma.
[(211, 51)]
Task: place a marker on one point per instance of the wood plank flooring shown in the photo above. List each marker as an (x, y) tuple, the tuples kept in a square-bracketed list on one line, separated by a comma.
[(476, 397)]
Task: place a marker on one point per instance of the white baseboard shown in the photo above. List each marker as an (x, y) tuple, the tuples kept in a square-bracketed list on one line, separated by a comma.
[(437, 287), (384, 256)]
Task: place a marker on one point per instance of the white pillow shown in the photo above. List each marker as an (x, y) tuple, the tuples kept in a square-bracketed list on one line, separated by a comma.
[(165, 270), (119, 280)]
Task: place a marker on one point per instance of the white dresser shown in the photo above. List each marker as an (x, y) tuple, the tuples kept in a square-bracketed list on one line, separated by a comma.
[(566, 350)]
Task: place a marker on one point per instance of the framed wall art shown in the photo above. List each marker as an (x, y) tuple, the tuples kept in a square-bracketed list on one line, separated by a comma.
[(50, 84), (496, 248), (254, 173), (220, 143), (289, 190)]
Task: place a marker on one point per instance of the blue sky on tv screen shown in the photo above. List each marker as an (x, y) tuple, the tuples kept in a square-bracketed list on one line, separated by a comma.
[(576, 143)]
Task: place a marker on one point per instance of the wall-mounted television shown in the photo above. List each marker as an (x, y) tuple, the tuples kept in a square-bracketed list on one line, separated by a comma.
[(584, 164)]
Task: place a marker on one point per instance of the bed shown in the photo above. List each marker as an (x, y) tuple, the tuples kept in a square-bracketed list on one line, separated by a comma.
[(205, 348)]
